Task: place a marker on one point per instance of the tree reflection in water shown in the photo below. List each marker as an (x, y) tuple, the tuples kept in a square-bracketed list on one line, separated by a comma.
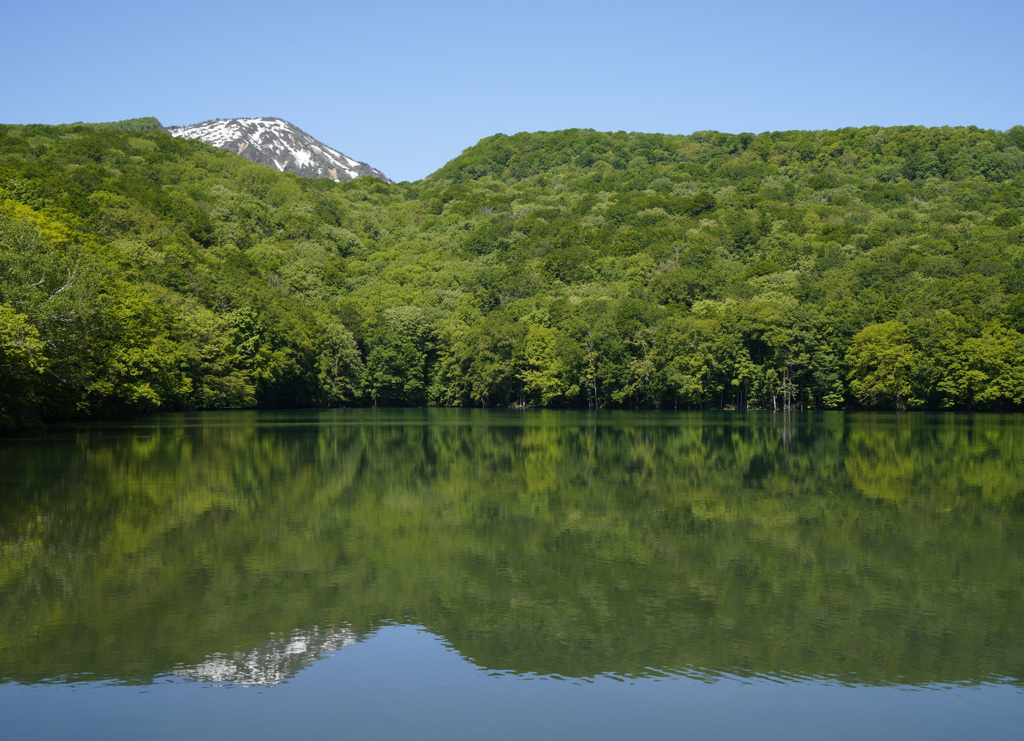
[(872, 549)]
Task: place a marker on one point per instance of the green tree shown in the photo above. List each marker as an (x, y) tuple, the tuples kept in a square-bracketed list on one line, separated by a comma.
[(340, 367), (881, 359), (22, 359), (544, 372), (401, 346)]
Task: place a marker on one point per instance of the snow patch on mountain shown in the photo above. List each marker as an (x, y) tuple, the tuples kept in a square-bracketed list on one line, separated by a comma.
[(279, 144)]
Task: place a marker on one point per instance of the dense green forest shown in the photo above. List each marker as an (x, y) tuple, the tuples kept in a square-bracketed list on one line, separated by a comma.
[(858, 268)]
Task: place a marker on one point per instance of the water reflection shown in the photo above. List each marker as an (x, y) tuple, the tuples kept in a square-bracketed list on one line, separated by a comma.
[(863, 549), (272, 662)]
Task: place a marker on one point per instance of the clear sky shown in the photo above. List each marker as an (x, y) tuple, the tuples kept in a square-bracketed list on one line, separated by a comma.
[(406, 86)]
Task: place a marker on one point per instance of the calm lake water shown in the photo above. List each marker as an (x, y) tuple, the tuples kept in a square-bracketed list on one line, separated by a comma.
[(450, 574)]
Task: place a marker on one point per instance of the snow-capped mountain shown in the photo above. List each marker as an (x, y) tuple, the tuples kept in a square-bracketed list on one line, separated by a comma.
[(278, 144)]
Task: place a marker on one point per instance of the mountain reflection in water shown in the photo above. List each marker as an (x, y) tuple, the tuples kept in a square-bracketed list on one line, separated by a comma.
[(272, 662), (858, 549)]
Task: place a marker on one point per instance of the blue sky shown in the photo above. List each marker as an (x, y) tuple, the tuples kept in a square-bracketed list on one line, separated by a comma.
[(406, 86)]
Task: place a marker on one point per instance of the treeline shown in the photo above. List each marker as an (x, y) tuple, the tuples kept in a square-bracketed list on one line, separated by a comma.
[(871, 267)]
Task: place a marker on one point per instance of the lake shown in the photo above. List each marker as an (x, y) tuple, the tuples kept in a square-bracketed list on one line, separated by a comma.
[(463, 574)]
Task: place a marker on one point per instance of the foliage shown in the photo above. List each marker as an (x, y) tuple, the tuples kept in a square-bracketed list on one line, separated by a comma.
[(568, 268), (147, 123)]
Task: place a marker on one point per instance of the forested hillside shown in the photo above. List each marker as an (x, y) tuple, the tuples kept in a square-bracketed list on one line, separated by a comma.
[(872, 267)]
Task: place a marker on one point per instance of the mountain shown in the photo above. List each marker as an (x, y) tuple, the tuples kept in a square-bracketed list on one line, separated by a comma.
[(276, 143)]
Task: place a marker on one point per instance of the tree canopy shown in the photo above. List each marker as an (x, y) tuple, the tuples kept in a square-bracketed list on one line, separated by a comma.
[(869, 267)]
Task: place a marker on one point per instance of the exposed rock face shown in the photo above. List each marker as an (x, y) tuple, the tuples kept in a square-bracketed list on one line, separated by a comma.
[(278, 144)]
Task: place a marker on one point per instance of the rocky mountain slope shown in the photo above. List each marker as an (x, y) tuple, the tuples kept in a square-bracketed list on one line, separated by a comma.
[(278, 144)]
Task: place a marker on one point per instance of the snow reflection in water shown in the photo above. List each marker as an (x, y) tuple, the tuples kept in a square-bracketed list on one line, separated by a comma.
[(270, 663)]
